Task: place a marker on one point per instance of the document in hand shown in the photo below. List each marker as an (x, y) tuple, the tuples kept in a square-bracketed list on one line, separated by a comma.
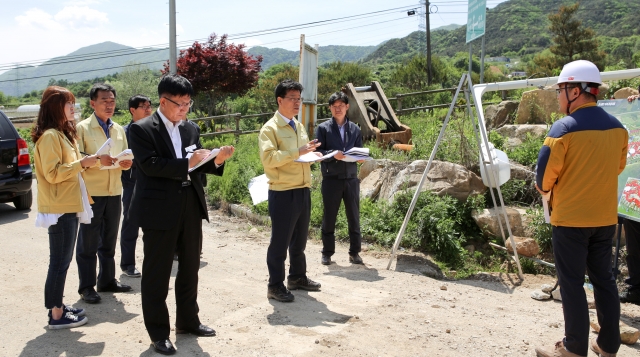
[(212, 154), (312, 157), (259, 189), (356, 154), (105, 149), (125, 155)]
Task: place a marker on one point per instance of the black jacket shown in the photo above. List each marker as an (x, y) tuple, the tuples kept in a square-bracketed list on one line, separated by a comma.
[(158, 193), (328, 134)]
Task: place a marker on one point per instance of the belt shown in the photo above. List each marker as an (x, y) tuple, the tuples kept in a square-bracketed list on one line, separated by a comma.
[(186, 183)]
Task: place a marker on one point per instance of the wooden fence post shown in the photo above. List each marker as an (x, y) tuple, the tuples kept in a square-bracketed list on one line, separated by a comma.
[(237, 117)]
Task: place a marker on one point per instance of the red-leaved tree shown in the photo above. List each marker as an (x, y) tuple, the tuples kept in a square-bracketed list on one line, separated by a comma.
[(217, 70)]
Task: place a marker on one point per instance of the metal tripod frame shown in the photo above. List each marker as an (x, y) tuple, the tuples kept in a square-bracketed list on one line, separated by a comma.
[(480, 131)]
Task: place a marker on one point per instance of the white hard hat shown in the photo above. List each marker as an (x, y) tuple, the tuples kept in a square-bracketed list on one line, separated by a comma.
[(580, 71)]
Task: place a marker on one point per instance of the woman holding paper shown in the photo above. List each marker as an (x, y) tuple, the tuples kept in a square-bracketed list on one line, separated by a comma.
[(62, 196)]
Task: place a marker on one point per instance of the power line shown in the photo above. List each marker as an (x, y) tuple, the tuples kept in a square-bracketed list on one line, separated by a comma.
[(135, 64), (187, 43)]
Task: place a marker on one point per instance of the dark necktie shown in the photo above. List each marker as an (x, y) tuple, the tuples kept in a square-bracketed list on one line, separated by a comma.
[(293, 125)]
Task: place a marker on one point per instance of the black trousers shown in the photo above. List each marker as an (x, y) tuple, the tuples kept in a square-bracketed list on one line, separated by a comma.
[(159, 247), (335, 191), (632, 234), (577, 250), (290, 212), (99, 238), (129, 231)]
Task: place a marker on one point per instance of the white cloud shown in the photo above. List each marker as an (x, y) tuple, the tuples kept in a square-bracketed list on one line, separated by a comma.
[(179, 28), (81, 17), (252, 42), (82, 2), (38, 18)]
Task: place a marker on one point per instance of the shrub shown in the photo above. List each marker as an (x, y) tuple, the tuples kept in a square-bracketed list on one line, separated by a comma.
[(527, 153), (540, 230)]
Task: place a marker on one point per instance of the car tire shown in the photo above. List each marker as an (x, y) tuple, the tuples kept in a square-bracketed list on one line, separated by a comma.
[(23, 202)]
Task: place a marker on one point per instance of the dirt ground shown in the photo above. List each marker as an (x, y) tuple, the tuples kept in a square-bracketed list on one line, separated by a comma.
[(361, 310)]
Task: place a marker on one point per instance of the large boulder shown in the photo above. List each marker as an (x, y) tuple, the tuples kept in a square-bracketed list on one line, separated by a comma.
[(537, 106), (374, 173), (628, 335), (624, 93), (487, 220), (444, 178), (496, 116), (524, 246), (516, 134)]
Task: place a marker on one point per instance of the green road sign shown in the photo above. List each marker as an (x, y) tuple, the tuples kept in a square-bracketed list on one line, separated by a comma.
[(476, 19)]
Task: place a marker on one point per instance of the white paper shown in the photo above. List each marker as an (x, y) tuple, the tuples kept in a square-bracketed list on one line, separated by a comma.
[(127, 154), (259, 189), (312, 157), (356, 154), (545, 206), (212, 154), (105, 149)]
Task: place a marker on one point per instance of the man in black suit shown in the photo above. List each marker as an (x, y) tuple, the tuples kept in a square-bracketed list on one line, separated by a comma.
[(168, 204), (339, 178)]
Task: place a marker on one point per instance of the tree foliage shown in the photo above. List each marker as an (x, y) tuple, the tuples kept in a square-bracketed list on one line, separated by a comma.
[(571, 41), (218, 70), (135, 79)]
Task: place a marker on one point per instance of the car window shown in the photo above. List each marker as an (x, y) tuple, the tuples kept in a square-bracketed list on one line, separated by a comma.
[(5, 124)]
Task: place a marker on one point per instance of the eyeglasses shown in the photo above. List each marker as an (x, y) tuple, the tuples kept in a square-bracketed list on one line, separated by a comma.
[(295, 100), (339, 107), (185, 105), (563, 88), (145, 107)]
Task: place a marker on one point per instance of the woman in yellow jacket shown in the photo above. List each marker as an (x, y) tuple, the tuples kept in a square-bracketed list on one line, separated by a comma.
[(62, 196)]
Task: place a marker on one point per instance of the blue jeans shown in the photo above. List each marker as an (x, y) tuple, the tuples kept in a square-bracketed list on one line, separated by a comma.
[(62, 239)]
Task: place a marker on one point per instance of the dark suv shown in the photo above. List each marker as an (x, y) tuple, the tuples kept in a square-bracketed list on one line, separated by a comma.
[(15, 167)]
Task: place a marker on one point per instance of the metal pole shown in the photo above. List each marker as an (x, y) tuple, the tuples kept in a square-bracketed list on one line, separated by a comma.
[(424, 175), (470, 59), (482, 60), (173, 50), (429, 71)]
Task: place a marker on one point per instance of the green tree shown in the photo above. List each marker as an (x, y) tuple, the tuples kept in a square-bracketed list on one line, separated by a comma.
[(3, 98), (571, 41), (135, 79)]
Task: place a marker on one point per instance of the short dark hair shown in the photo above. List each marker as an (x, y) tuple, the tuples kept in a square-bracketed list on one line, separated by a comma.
[(136, 100), (93, 93), (338, 96), (285, 86), (175, 84)]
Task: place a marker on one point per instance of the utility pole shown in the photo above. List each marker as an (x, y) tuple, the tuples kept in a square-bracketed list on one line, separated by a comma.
[(429, 71), (173, 51)]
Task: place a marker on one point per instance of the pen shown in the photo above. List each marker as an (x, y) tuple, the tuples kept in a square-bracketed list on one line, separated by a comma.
[(84, 153)]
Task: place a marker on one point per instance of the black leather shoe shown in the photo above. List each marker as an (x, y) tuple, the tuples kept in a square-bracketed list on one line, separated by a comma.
[(201, 330), (355, 259), (90, 296), (326, 260), (280, 293), (115, 287), (164, 347), (630, 296), (132, 272), (303, 283)]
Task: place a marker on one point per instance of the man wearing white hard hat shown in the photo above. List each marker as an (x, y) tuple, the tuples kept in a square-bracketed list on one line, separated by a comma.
[(579, 164)]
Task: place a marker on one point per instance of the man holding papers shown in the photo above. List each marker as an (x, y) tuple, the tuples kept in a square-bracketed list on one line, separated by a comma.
[(282, 140), (340, 177), (100, 236), (168, 204)]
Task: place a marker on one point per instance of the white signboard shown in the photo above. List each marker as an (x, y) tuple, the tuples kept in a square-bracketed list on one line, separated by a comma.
[(309, 81)]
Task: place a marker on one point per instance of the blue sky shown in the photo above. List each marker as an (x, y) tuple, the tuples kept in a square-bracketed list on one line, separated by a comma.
[(42, 29)]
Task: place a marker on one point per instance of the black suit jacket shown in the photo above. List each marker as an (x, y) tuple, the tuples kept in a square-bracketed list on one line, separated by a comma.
[(158, 194), (328, 134)]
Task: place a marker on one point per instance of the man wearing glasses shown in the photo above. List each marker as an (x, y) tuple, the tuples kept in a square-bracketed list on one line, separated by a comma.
[(578, 166), (168, 204), (282, 140), (139, 107), (339, 178)]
